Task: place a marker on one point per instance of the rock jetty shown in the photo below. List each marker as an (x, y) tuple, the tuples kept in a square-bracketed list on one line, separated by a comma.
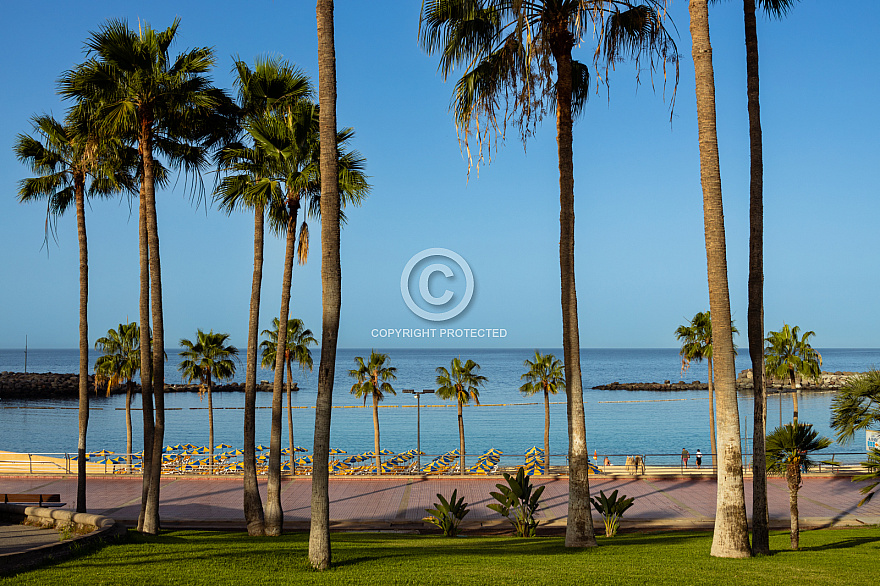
[(830, 381), (50, 385)]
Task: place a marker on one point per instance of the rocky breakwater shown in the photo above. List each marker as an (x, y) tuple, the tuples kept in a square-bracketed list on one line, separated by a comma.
[(664, 386), (829, 381), (50, 385)]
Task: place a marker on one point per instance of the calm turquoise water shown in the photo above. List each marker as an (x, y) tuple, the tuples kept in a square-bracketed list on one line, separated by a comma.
[(618, 422)]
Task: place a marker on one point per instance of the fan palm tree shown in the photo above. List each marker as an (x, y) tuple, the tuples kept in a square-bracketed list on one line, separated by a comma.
[(72, 164), (855, 407), (696, 345), (121, 362), (755, 315), (140, 91), (331, 286), (293, 145), (545, 375), (788, 357), (298, 341), (207, 359), (788, 453), (372, 381), (509, 52), (731, 535), (461, 383), (272, 86)]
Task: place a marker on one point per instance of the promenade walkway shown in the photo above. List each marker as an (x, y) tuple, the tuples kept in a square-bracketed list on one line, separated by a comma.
[(399, 503)]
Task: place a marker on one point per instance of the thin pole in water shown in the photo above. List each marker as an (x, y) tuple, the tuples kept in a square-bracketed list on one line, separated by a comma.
[(25, 353)]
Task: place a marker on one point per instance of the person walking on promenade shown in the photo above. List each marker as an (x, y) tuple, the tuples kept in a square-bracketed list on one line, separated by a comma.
[(685, 455), (699, 457)]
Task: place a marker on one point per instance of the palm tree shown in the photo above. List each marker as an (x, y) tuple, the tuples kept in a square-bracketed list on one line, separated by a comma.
[(372, 381), (121, 362), (207, 359), (788, 453), (461, 383), (509, 52), (755, 312), (271, 87), (546, 374), (696, 345), (298, 341), (140, 91), (331, 286), (789, 356), (72, 163), (293, 146), (731, 535), (855, 407)]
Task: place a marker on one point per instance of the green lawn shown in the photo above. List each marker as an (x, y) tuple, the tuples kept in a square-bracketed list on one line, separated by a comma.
[(843, 556)]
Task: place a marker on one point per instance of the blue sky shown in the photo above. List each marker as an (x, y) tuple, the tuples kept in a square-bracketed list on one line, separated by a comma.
[(641, 268)]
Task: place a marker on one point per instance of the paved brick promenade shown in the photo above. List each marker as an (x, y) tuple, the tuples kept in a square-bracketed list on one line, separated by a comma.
[(400, 502)]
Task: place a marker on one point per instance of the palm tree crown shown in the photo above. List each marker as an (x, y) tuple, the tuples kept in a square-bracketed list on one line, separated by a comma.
[(788, 355), (372, 377), (461, 382), (122, 359), (209, 358), (299, 338), (509, 51), (545, 374)]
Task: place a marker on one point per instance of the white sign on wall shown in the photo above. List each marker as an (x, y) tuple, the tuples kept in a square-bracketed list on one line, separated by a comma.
[(872, 439)]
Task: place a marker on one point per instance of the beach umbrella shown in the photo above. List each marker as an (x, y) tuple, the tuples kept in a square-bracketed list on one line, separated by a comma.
[(236, 453), (305, 461), (285, 467), (593, 469), (222, 447), (285, 451), (261, 447), (170, 448), (102, 453), (300, 449), (77, 457), (386, 452), (188, 447), (337, 451)]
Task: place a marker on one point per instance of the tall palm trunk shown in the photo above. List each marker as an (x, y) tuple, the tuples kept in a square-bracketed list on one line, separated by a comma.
[(579, 525), (712, 441), (794, 484), (461, 440), (274, 513), (79, 194), (146, 358), (151, 517), (331, 288), (755, 314), (731, 537), (253, 504), (376, 443), (290, 433), (128, 438), (210, 427), (794, 399), (546, 432)]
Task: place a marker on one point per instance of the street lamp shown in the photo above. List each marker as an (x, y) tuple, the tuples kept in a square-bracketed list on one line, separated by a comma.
[(418, 395)]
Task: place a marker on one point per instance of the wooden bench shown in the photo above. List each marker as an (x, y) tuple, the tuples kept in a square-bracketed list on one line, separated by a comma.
[(43, 500)]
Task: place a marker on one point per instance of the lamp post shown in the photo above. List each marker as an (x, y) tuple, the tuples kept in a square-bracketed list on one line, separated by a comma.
[(418, 395)]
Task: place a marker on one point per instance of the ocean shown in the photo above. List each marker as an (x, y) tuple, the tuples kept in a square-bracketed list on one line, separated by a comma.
[(618, 422)]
